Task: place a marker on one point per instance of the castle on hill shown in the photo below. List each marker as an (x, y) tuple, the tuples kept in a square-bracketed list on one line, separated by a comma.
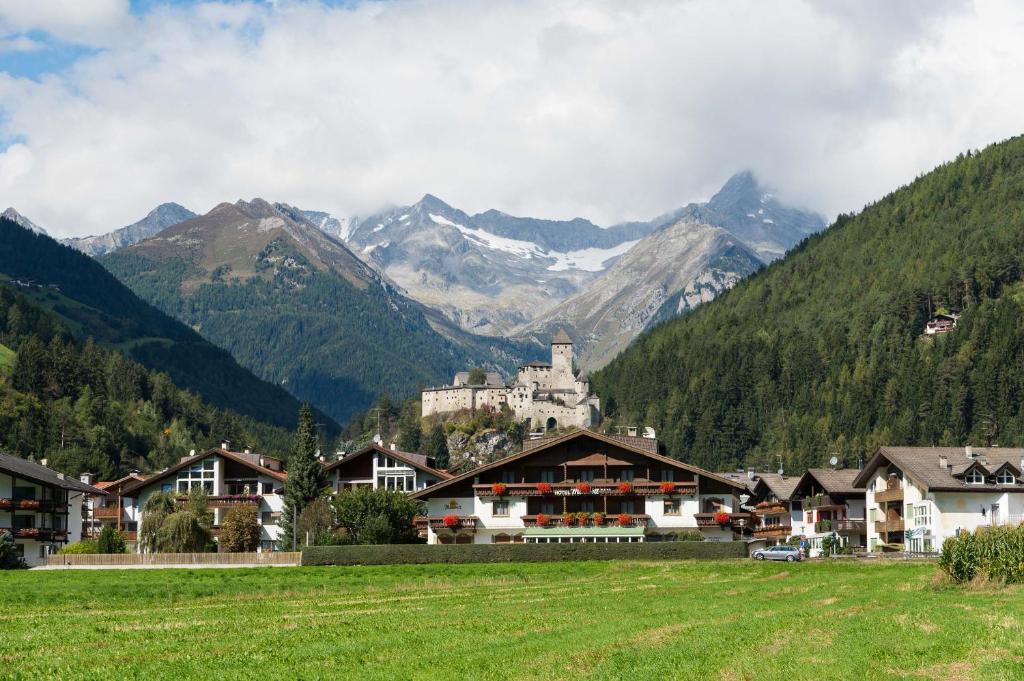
[(544, 395)]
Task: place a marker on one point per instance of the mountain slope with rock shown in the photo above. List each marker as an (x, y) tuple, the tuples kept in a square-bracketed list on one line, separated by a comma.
[(160, 218)]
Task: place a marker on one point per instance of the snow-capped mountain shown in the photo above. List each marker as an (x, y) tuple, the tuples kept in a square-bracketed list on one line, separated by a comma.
[(489, 273), (160, 218), (496, 273), (20, 219), (669, 272)]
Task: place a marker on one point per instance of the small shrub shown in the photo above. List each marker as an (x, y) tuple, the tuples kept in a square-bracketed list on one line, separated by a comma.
[(111, 541), (9, 558), (80, 547)]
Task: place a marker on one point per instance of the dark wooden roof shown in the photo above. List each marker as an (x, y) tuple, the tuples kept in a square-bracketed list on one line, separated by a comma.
[(553, 441), (34, 472), (419, 461)]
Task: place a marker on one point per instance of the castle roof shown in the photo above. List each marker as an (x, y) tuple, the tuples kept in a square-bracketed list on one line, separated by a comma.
[(561, 338)]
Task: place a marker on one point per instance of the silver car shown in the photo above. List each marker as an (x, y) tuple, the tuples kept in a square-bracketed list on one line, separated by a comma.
[(781, 552)]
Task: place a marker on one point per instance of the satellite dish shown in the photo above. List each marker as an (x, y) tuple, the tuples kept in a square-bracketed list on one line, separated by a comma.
[(833, 461)]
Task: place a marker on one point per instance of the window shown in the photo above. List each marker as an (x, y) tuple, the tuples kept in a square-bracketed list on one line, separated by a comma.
[(499, 509), (586, 476), (974, 477), (270, 517), (922, 515), (626, 475), (627, 506), (24, 492), (668, 475), (587, 506), (166, 487), (547, 476), (268, 488), (1005, 477), (672, 507), (547, 508), (508, 476), (198, 474)]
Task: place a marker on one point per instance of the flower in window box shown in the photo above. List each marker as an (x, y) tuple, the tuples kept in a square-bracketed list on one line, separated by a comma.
[(544, 487), (542, 520), (569, 519), (722, 518), (625, 487), (451, 520), (625, 520), (29, 503), (583, 487), (5, 503), (597, 519), (498, 489)]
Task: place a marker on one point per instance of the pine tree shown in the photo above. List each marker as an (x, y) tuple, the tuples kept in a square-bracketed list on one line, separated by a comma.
[(410, 435), (437, 446), (306, 477)]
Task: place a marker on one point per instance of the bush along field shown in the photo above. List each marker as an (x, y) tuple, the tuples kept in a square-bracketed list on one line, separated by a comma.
[(732, 619)]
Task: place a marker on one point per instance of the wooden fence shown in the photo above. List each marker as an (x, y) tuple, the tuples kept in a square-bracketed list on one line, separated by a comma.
[(130, 559)]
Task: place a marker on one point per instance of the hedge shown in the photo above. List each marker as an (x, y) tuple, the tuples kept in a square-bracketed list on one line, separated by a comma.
[(393, 554)]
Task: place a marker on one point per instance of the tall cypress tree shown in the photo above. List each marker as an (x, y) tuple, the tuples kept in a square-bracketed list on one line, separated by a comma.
[(305, 480), (437, 446)]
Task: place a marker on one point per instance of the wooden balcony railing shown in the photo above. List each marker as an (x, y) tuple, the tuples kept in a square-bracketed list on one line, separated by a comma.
[(739, 519), (38, 533), (822, 501), (840, 525), (107, 512), (40, 505), (771, 508), (773, 532), (573, 488), (885, 526), (444, 523), (227, 500), (613, 520), (893, 492)]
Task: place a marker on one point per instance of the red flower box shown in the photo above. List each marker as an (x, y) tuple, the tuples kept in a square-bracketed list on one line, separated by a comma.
[(544, 487), (498, 488), (625, 519), (583, 487), (451, 520), (723, 518), (28, 503), (569, 519), (667, 487), (542, 520), (5, 503), (625, 487)]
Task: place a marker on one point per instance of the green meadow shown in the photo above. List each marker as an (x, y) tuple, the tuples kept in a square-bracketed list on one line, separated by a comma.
[(605, 620)]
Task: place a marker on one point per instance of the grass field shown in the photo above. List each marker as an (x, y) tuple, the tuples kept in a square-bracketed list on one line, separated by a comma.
[(610, 620)]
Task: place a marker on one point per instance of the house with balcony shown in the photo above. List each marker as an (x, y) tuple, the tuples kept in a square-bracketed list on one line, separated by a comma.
[(917, 497), (780, 515), (582, 487), (230, 479), (378, 467), (832, 507), (40, 507), (112, 508)]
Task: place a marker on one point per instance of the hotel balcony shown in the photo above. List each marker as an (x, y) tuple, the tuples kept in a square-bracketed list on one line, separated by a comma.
[(39, 533), (611, 520), (572, 487), (736, 520), (773, 532), (841, 525), (107, 512), (440, 523), (822, 501), (891, 493), (771, 509), (886, 526), (226, 500)]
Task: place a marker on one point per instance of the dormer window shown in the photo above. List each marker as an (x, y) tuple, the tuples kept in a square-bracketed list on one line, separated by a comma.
[(1005, 477), (974, 477)]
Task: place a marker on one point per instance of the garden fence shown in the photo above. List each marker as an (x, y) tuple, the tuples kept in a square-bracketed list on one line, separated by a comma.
[(130, 559)]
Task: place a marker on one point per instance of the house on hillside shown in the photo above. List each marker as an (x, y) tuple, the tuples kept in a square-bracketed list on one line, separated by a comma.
[(40, 507), (378, 467), (582, 487), (112, 508), (917, 497), (780, 514), (941, 323), (832, 506), (230, 479)]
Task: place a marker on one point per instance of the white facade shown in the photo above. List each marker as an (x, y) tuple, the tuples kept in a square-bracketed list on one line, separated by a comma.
[(547, 395), (379, 468)]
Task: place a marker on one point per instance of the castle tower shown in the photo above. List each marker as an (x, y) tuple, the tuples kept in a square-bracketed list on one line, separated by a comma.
[(561, 361)]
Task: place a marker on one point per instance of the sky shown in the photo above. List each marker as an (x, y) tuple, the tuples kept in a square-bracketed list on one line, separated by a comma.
[(607, 110)]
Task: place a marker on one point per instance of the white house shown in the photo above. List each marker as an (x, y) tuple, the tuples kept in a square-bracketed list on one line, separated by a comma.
[(917, 497), (582, 487), (230, 479), (378, 467), (40, 507), (832, 506), (112, 508), (780, 513)]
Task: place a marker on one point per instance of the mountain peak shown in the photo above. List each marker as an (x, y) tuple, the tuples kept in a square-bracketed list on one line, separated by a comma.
[(19, 219), (431, 202), (740, 189)]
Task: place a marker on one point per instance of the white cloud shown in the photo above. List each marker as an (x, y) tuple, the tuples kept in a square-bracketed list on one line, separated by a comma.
[(606, 110), (80, 21)]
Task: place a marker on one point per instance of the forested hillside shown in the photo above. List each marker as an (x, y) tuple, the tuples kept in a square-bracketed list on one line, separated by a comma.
[(87, 408), (823, 351), (94, 304)]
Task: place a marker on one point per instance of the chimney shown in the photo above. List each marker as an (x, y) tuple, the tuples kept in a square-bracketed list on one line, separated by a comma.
[(394, 447), (631, 431), (969, 451), (86, 478), (943, 462), (60, 476), (226, 445), (43, 462), (191, 452), (247, 451), (750, 474)]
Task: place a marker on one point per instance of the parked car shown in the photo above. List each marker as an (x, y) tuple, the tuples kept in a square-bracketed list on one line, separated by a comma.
[(781, 552)]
